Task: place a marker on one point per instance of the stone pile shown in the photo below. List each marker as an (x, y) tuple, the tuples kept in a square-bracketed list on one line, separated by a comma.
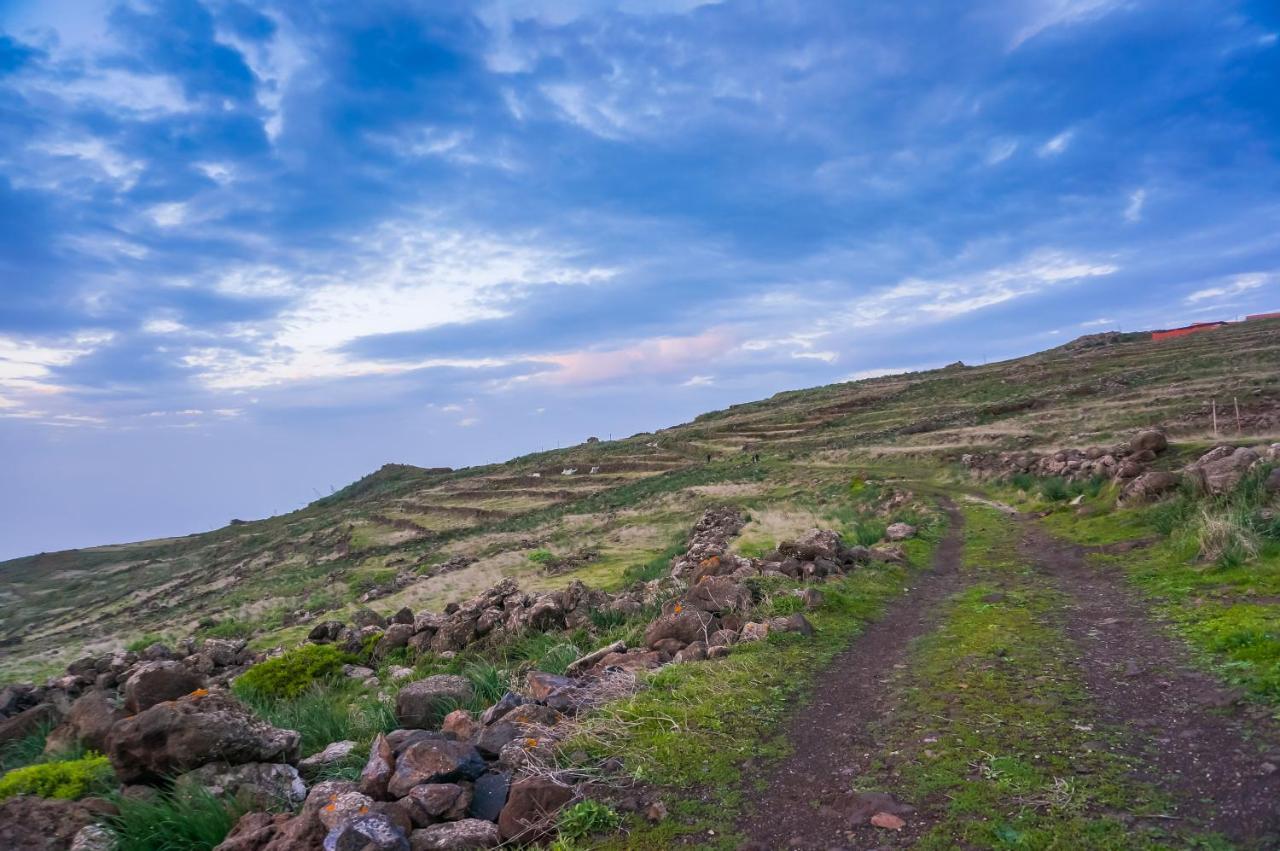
[(1124, 462)]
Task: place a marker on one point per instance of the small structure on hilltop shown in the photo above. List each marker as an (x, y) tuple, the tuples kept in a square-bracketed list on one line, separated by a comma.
[(1194, 328)]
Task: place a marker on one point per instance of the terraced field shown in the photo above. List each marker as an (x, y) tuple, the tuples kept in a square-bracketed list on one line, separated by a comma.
[(410, 536)]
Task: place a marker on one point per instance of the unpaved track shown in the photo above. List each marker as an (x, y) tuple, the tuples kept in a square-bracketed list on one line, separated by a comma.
[(848, 701), (1198, 744)]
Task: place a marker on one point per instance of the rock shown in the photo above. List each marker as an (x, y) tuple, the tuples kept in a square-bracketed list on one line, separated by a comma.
[(368, 617), (253, 785), (683, 624), (489, 796), (509, 701), (1150, 486), (887, 821), (46, 824), (396, 636), (399, 672), (371, 832), (718, 595), (655, 812), (177, 736), (813, 598), (494, 737), (899, 532), (156, 682), (342, 804), (792, 623), (695, 652), (866, 805), (1149, 441), (93, 837), (424, 703), (331, 755), (378, 768), (1273, 481), (722, 638), (541, 685), (432, 802), (468, 833), (1219, 471), (531, 809), (405, 616), (325, 631), (460, 724), (719, 651), (434, 761), (88, 722), (753, 631)]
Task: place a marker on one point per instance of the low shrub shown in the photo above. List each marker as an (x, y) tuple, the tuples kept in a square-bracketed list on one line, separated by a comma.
[(1055, 489), (869, 532), (541, 557), (69, 779), (293, 672), (585, 819), (228, 628)]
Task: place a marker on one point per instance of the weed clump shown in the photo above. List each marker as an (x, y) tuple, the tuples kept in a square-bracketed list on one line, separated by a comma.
[(293, 672), (583, 820), (199, 821), (69, 779)]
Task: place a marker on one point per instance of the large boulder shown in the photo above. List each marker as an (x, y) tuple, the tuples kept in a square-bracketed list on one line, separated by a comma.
[(1221, 469), (180, 735), (718, 595), (27, 722), (457, 835), (424, 704), (683, 624), (429, 803), (368, 832), (434, 761), (88, 723), (1149, 440), (489, 796), (532, 805), (252, 785), (396, 636), (1150, 486), (378, 768), (46, 824), (156, 682), (899, 532)]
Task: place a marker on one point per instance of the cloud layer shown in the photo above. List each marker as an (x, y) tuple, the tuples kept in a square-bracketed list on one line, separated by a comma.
[(450, 232)]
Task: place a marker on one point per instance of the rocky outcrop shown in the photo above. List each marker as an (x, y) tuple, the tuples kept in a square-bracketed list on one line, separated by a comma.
[(180, 735), (47, 824), (424, 704), (1123, 462), (708, 552), (253, 785), (1219, 470), (156, 682)]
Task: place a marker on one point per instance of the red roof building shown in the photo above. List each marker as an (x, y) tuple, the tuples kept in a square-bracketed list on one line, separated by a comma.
[(1185, 330)]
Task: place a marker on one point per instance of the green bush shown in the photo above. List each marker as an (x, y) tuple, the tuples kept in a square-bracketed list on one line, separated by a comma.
[(1055, 489), (199, 822), (293, 672), (586, 818), (69, 779), (541, 557)]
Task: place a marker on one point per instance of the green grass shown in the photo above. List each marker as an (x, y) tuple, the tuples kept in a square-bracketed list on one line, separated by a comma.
[(142, 642), (26, 750), (197, 822), (325, 711)]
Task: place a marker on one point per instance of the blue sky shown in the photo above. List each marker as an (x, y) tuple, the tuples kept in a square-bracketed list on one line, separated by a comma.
[(251, 251)]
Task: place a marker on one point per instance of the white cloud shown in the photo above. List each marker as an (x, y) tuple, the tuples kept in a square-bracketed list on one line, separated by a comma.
[(1133, 212), (402, 277), (1057, 144), (1001, 150), (467, 422), (1098, 323), (924, 300), (1045, 14), (163, 325), (864, 374), (168, 215), (1236, 286), (699, 381)]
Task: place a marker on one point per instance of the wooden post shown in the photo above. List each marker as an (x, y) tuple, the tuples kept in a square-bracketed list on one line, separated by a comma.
[(1215, 418), (1239, 428)]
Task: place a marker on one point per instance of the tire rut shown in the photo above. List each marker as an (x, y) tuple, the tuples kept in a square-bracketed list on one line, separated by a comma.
[(848, 701), (1194, 739)]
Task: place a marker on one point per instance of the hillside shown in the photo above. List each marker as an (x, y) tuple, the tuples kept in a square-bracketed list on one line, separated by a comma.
[(423, 537), (1031, 604)]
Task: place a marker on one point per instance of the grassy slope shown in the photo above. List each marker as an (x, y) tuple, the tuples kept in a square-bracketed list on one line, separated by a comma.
[(647, 492)]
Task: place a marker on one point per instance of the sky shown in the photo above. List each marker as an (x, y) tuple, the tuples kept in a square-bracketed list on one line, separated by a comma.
[(250, 252)]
